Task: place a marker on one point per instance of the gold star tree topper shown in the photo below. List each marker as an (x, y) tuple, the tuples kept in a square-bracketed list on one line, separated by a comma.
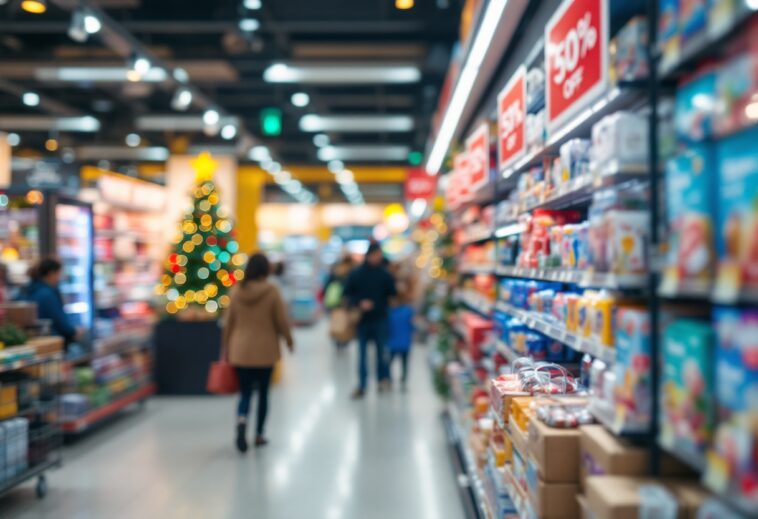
[(204, 167)]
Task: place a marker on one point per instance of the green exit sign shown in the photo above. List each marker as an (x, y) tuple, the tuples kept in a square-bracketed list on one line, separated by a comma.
[(271, 122)]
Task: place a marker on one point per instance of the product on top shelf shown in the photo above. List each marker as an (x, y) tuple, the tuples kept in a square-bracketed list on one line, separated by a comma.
[(687, 403), (695, 107), (668, 28), (737, 204), (737, 84), (621, 136), (690, 179), (629, 51)]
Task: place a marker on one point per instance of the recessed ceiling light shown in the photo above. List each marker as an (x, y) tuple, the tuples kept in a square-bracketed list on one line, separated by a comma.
[(92, 24), (321, 140), (182, 99), (30, 99), (404, 4), (133, 140), (211, 117), (51, 144), (141, 65), (229, 132), (259, 154), (253, 5), (300, 99), (249, 24), (341, 73), (34, 6), (13, 139)]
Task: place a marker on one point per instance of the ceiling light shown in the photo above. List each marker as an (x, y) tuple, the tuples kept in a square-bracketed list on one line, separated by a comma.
[(30, 99), (345, 177), (98, 74), (211, 117), (179, 123), (404, 4), (118, 153), (13, 139), (34, 6), (133, 140), (182, 99), (46, 123), (249, 24), (335, 166), (259, 153), (321, 140), (51, 144), (339, 73), (752, 4), (92, 24), (356, 123), (253, 5), (300, 99), (141, 65), (77, 30), (381, 152), (481, 41), (282, 177), (133, 76), (180, 75), (229, 132)]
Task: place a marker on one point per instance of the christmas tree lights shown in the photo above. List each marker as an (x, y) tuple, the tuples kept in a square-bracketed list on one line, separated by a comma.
[(206, 261)]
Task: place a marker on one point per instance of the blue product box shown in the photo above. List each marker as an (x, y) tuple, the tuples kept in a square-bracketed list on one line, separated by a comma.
[(695, 107), (736, 360)]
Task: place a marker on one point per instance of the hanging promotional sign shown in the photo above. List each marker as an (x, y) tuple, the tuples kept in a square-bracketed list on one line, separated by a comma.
[(511, 120), (462, 171), (478, 155), (576, 58), (419, 184)]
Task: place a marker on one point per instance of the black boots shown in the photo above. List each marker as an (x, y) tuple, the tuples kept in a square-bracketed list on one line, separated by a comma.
[(241, 441)]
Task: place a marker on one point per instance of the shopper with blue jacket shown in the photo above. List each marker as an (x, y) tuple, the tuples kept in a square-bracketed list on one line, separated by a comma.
[(43, 290), (401, 335)]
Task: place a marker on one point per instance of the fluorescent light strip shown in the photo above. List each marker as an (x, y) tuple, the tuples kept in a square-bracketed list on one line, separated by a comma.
[(159, 123), (490, 21), (85, 124), (154, 153), (356, 123), (97, 74), (341, 74), (377, 152)]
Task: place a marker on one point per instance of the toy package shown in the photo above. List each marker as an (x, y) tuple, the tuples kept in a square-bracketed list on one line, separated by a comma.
[(633, 390), (737, 232), (695, 107), (687, 403), (621, 136), (690, 184)]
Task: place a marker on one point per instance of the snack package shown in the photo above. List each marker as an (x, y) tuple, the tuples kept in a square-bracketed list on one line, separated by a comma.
[(687, 403), (627, 241), (690, 184), (695, 107), (602, 318), (633, 391), (737, 234)]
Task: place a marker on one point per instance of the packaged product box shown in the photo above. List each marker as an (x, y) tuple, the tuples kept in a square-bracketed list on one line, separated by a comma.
[(519, 439), (633, 392), (622, 137), (554, 500), (602, 453), (695, 107), (584, 507), (737, 231), (555, 452), (502, 390), (630, 61), (690, 188), (687, 402), (22, 314), (48, 345), (618, 497), (669, 37), (627, 241)]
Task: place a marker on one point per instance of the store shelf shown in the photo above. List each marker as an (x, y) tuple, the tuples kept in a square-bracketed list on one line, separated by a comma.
[(30, 473), (704, 45), (708, 291), (477, 269), (586, 279), (559, 333), (693, 460), (607, 420), (477, 303), (26, 363), (86, 421), (506, 351), (477, 237)]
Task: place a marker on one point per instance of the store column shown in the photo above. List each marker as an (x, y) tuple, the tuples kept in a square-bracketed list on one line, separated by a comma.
[(251, 182), (5, 161)]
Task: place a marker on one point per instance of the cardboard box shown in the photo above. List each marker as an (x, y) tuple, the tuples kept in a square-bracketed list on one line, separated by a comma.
[(519, 439), (47, 345), (555, 452), (584, 507), (22, 314), (554, 500), (617, 497)]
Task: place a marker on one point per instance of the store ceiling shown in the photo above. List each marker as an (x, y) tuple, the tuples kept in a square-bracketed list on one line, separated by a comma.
[(226, 67)]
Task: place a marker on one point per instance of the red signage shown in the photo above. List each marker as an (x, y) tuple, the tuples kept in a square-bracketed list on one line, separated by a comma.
[(478, 151), (511, 119), (462, 172), (576, 57), (419, 184)]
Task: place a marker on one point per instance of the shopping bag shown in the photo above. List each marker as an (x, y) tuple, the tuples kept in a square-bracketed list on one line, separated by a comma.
[(222, 378), (333, 295), (341, 327)]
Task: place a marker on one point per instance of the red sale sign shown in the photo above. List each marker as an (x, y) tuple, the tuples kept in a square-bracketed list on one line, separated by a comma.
[(511, 119), (478, 152), (576, 58), (419, 184)]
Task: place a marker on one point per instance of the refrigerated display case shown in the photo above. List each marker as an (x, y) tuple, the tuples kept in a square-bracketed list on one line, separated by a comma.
[(301, 278)]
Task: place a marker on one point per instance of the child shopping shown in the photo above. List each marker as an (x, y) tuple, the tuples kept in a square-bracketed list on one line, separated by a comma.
[(400, 335)]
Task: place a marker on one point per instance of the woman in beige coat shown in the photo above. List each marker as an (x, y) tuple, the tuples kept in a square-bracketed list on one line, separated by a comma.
[(256, 322)]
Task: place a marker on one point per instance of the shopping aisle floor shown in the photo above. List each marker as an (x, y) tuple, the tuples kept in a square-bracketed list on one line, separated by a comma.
[(329, 457)]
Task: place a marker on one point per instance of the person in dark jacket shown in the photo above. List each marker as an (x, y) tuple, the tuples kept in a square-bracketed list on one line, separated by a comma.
[(43, 290), (369, 288)]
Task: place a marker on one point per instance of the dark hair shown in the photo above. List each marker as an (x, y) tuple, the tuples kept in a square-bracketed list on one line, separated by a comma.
[(374, 247), (44, 267), (257, 268), (279, 268)]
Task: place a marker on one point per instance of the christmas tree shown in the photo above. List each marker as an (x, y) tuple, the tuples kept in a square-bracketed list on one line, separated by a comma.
[(205, 262)]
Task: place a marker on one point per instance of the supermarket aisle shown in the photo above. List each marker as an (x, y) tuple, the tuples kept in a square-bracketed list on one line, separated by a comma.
[(329, 457)]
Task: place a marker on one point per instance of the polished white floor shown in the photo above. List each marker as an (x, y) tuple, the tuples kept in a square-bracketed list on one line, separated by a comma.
[(329, 457)]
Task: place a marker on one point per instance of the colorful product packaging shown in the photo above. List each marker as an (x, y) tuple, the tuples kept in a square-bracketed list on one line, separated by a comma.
[(633, 391), (621, 136), (695, 107), (627, 241)]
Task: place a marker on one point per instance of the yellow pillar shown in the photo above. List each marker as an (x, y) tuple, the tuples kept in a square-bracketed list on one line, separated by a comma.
[(250, 185)]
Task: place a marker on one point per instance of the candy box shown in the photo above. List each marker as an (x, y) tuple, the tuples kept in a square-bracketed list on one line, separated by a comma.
[(621, 136), (633, 389), (737, 232), (695, 107), (627, 241), (690, 184), (687, 403)]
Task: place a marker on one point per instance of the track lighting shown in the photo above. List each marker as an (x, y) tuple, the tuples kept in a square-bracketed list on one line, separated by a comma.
[(34, 6), (182, 99)]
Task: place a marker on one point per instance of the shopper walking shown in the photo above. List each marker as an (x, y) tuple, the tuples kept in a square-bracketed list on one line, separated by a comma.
[(43, 290), (400, 336), (255, 324), (369, 288), (340, 328)]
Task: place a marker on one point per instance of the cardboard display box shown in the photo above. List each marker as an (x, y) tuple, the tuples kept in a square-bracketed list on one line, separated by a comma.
[(584, 507), (22, 314), (519, 439), (555, 452), (47, 345), (618, 497), (554, 500)]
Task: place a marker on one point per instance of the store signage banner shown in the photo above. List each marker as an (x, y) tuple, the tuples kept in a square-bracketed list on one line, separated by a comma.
[(511, 119), (420, 184), (576, 58), (478, 152)]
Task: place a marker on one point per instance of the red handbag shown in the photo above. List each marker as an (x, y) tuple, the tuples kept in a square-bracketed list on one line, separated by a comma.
[(222, 378)]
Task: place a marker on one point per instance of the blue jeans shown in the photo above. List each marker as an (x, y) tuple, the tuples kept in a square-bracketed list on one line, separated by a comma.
[(249, 379), (375, 330)]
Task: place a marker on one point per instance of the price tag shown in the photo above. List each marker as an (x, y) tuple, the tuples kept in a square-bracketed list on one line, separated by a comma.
[(478, 154), (511, 120), (576, 58)]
